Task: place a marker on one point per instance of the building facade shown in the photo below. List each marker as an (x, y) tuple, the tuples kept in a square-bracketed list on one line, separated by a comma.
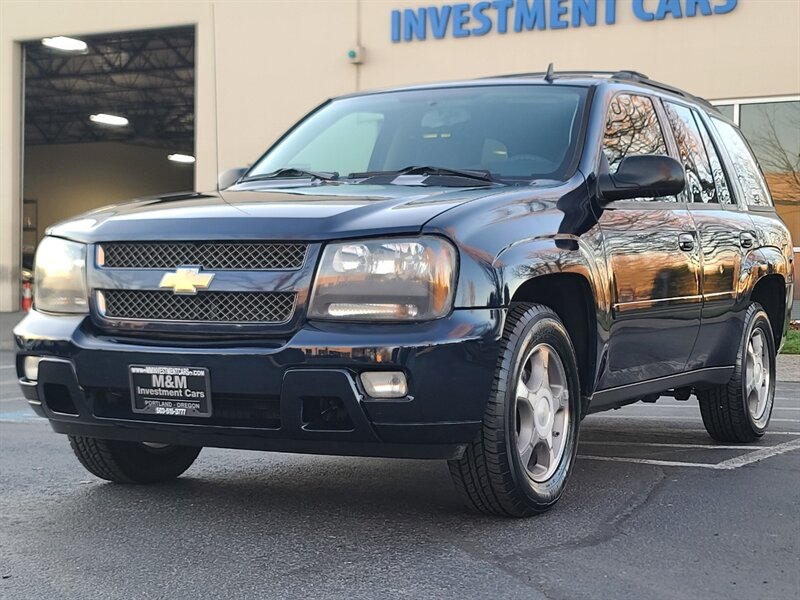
[(259, 66)]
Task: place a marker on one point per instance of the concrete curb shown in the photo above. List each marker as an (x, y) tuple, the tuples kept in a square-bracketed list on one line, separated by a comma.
[(788, 367)]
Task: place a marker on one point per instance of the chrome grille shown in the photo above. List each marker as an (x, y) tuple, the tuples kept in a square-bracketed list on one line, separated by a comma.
[(209, 255), (206, 307)]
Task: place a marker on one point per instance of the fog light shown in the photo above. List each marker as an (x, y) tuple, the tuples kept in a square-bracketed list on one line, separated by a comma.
[(385, 384), (30, 367)]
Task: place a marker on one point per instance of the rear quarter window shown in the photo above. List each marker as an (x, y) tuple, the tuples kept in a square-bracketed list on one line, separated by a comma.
[(745, 166)]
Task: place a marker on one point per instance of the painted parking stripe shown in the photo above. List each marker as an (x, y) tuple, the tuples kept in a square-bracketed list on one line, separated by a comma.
[(8, 367), (726, 465), (673, 418), (665, 445), (20, 416), (13, 399), (695, 408)]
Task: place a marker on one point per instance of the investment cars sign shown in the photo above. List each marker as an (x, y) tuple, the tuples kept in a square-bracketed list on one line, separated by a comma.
[(503, 16)]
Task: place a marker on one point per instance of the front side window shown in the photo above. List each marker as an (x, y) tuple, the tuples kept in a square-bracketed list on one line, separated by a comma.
[(700, 186), (510, 131), (747, 172), (631, 128)]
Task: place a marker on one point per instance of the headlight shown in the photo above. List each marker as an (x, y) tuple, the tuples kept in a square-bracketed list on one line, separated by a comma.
[(394, 279), (60, 277)]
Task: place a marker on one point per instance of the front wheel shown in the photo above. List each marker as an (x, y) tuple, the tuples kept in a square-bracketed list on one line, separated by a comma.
[(519, 463), (132, 462), (739, 411)]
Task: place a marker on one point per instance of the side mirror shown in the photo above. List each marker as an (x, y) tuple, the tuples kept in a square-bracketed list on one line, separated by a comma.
[(227, 178), (645, 176)]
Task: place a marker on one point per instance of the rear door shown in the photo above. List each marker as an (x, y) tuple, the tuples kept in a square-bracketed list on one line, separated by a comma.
[(724, 231), (654, 257)]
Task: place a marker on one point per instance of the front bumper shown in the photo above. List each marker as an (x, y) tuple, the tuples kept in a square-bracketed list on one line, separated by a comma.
[(265, 391)]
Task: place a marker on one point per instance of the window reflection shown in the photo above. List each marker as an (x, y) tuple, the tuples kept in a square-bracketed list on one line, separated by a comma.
[(632, 128), (700, 185), (773, 130), (753, 185)]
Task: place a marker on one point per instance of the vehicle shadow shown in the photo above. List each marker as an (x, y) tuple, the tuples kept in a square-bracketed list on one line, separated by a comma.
[(296, 504)]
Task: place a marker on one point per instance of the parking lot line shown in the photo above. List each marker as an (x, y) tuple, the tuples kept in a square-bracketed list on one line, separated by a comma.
[(726, 465), (694, 407), (676, 418), (663, 445), (650, 461)]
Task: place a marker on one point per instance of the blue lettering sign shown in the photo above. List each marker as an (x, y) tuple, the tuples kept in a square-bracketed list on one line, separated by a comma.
[(530, 15), (502, 6), (460, 19), (611, 12), (693, 5), (414, 24), (640, 12), (665, 7), (480, 16), (558, 10), (439, 17), (584, 10), (465, 19)]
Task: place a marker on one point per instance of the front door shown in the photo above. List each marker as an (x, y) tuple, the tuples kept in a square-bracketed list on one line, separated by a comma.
[(653, 253)]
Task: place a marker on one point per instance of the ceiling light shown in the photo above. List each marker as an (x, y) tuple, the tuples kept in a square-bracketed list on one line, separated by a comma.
[(67, 44), (105, 119), (181, 158)]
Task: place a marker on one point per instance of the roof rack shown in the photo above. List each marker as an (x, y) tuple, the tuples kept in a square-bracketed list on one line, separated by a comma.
[(624, 74)]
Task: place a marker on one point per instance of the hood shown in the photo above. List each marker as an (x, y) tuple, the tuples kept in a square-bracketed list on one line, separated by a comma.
[(304, 213)]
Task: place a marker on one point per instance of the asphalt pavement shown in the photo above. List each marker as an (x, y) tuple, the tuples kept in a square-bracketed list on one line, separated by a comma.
[(654, 510)]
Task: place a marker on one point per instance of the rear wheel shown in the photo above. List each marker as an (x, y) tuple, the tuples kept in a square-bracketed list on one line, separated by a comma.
[(740, 410), (520, 461), (132, 462)]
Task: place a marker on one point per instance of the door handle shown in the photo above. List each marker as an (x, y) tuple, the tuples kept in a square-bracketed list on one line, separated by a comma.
[(747, 239), (686, 242)]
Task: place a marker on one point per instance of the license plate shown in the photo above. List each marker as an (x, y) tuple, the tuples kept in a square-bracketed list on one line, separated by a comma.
[(170, 391)]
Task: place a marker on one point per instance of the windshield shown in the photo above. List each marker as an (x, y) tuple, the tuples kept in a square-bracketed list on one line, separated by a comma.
[(509, 131)]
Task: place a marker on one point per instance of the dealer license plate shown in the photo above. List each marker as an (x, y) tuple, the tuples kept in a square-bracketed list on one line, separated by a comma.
[(170, 391)]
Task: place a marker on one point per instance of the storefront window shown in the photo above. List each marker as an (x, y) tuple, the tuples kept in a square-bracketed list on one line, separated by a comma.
[(726, 110), (772, 127), (773, 130)]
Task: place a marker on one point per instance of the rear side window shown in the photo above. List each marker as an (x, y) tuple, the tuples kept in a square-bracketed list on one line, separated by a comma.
[(631, 128), (747, 172), (700, 186), (723, 190)]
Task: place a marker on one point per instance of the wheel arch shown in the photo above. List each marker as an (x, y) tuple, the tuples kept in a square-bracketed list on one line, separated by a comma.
[(565, 281), (770, 292), (765, 275)]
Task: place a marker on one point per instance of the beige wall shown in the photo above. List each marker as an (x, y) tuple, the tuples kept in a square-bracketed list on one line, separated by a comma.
[(68, 179), (752, 51), (276, 59)]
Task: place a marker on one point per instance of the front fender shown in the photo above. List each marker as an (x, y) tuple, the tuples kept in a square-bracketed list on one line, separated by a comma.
[(536, 257)]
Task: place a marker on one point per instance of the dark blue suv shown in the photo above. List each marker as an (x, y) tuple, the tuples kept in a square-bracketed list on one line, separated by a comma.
[(459, 271)]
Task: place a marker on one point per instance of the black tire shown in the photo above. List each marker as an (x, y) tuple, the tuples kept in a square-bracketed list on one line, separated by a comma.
[(724, 407), (132, 462), (490, 475)]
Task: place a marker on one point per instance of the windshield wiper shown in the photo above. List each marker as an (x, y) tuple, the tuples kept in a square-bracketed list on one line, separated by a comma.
[(429, 171), (292, 173)]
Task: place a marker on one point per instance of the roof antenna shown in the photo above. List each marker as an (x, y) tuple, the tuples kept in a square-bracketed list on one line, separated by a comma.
[(548, 77)]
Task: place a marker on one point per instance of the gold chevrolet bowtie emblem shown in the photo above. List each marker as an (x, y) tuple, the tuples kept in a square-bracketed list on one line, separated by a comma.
[(186, 280)]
